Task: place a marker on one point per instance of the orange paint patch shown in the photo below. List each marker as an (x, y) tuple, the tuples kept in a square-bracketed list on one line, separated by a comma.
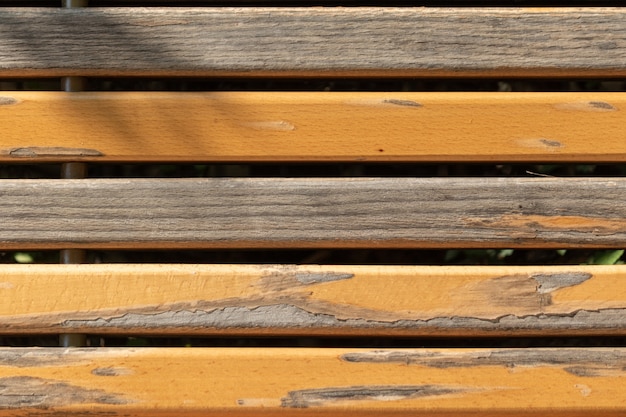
[(580, 223)]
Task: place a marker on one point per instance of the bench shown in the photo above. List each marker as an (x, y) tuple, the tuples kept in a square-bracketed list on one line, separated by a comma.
[(319, 335)]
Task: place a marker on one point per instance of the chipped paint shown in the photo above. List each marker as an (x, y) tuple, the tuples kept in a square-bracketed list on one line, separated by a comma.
[(595, 106), (603, 105), (578, 362), (111, 371), (277, 279), (551, 143), (550, 282), (519, 294), (388, 103), (20, 358), (406, 103), (531, 224), (328, 396), (544, 144), (516, 294), (30, 392), (309, 278), (291, 319), (8, 101), (50, 151)]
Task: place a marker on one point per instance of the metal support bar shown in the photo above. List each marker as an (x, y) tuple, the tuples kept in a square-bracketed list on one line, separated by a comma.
[(73, 170), (73, 84), (74, 3)]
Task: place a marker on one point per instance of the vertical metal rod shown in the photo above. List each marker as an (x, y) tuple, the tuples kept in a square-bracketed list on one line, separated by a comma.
[(73, 84), (74, 3), (73, 170)]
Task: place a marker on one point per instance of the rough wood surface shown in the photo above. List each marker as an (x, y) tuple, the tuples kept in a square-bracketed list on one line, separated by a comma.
[(313, 41), (244, 382), (338, 300), (273, 126), (313, 212)]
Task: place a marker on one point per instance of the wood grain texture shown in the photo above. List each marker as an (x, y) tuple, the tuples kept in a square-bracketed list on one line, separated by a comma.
[(244, 382), (339, 300), (273, 126), (313, 212), (313, 41)]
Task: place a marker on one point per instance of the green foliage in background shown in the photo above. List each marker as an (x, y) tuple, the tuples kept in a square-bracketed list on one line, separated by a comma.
[(606, 257)]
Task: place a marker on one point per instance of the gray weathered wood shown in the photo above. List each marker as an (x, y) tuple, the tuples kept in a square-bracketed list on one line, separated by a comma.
[(313, 41), (392, 212)]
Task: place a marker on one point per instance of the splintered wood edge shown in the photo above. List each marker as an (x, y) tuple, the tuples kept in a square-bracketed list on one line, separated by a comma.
[(339, 300), (241, 382), (367, 41), (303, 126)]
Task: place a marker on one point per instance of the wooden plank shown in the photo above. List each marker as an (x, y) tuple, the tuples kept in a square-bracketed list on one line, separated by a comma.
[(273, 126), (288, 300), (338, 382), (554, 42), (313, 212)]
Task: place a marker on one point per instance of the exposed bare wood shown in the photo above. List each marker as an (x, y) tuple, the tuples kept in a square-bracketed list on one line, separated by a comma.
[(313, 212), (313, 41), (244, 382), (271, 126), (313, 300)]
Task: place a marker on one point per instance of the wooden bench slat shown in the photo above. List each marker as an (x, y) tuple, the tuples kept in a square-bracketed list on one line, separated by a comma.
[(244, 382), (313, 212), (551, 42), (274, 126), (339, 300)]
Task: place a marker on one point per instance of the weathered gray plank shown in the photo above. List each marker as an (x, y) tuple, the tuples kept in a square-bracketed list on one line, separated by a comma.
[(286, 213), (313, 41)]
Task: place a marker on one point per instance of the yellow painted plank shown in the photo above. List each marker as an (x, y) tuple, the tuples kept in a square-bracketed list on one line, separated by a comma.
[(273, 126), (313, 300), (242, 382)]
